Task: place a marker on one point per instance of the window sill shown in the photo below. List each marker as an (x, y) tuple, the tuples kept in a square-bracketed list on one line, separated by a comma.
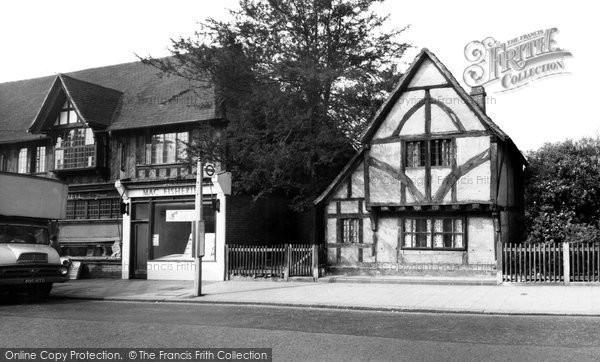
[(90, 168), (434, 249), (160, 165)]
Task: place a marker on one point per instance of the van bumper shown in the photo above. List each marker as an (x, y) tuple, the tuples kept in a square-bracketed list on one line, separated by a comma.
[(32, 274)]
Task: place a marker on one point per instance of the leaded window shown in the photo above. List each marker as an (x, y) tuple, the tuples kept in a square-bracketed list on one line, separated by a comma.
[(433, 233), (40, 159), (350, 230), (75, 148), (415, 154), (441, 152)]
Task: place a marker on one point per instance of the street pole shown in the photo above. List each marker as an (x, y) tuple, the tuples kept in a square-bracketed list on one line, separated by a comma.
[(198, 228)]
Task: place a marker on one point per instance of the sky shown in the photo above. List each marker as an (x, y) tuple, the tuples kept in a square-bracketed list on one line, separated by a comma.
[(39, 38)]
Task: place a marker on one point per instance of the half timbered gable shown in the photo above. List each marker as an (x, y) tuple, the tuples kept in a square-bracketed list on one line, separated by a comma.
[(435, 174)]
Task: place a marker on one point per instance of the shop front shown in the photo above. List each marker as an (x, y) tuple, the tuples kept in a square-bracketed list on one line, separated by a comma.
[(157, 230)]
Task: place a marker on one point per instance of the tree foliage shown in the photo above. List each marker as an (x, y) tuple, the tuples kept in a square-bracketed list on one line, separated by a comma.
[(297, 80), (562, 192)]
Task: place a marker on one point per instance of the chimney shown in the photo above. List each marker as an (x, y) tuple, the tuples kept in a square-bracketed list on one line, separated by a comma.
[(478, 94)]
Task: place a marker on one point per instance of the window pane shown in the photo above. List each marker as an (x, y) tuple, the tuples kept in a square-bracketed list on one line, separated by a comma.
[(458, 241), (23, 161), (157, 148), (89, 136), (63, 118), (447, 240), (40, 159), (72, 117), (438, 241), (169, 148), (458, 226), (58, 159)]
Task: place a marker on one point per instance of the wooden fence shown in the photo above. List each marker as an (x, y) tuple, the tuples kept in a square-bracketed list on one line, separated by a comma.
[(548, 263), (284, 260)]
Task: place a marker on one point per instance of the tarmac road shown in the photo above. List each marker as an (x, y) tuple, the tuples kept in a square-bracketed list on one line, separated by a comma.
[(299, 334)]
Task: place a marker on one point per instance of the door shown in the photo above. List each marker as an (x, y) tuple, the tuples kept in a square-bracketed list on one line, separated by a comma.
[(139, 255)]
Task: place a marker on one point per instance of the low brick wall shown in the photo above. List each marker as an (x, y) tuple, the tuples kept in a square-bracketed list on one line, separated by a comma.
[(108, 268), (414, 269)]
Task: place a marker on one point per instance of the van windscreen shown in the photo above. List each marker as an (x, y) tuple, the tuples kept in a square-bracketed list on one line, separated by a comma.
[(23, 234)]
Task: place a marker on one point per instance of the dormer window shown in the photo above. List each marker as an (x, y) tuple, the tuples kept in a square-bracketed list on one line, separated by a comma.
[(67, 115)]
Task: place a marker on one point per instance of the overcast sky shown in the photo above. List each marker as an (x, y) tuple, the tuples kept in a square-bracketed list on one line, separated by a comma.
[(39, 38)]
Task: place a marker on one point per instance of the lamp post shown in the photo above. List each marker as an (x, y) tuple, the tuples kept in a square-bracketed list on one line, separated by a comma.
[(198, 231)]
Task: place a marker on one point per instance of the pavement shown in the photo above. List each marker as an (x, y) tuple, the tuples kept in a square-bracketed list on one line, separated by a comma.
[(350, 294)]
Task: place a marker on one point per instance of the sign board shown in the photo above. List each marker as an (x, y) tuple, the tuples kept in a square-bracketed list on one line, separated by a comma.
[(180, 215), (209, 170), (155, 240)]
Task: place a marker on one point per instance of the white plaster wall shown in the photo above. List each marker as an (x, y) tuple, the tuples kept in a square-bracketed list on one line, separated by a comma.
[(389, 153), (432, 257), (480, 234), (440, 121), (467, 117), (331, 207), (467, 147), (126, 247), (475, 185), (383, 187), (417, 175), (415, 125), (438, 174), (427, 74), (358, 181), (405, 102), (349, 207), (331, 231), (387, 240)]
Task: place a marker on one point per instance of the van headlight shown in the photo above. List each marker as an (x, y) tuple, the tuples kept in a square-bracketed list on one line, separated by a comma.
[(64, 270), (65, 261)]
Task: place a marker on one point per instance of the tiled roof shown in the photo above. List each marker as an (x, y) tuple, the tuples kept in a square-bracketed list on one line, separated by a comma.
[(96, 104), (148, 99)]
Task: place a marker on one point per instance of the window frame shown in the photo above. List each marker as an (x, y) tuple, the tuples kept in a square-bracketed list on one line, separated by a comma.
[(88, 149), (40, 160), (426, 153), (69, 109), (431, 235), (178, 149), (27, 159), (355, 232)]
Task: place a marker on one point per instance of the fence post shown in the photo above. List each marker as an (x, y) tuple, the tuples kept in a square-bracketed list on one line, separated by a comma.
[(227, 274), (286, 257), (566, 264), (315, 261), (499, 263)]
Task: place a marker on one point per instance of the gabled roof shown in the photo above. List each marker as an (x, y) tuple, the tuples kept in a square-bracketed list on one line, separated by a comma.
[(147, 99), (96, 105), (346, 172), (402, 85)]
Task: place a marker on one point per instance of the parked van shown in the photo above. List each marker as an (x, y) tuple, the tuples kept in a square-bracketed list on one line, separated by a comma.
[(29, 209)]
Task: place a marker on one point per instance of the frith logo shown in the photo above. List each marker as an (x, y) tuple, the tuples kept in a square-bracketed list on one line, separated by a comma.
[(514, 63)]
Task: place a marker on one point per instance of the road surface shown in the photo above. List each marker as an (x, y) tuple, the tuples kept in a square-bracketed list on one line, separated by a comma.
[(299, 334)]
